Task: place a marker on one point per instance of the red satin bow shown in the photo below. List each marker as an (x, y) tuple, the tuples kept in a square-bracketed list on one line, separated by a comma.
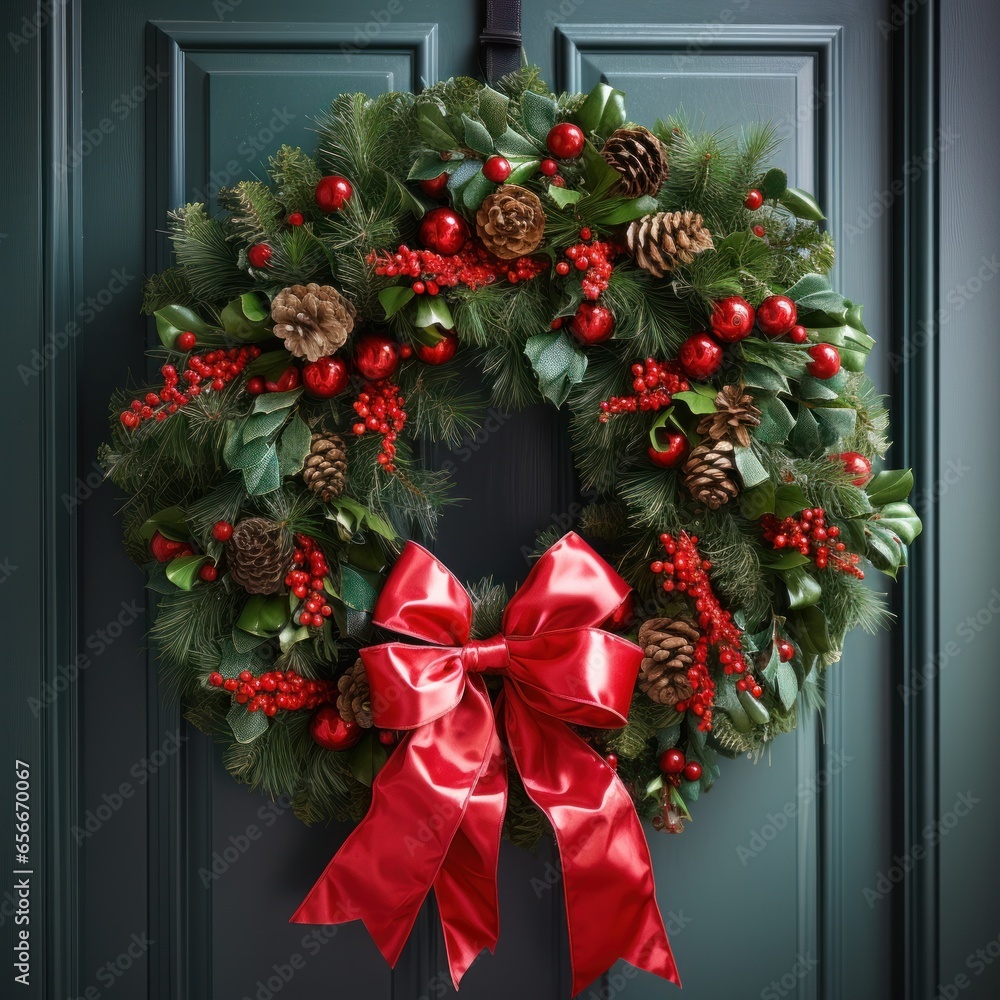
[(438, 804)]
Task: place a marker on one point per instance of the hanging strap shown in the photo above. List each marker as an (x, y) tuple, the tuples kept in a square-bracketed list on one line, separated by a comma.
[(501, 38)]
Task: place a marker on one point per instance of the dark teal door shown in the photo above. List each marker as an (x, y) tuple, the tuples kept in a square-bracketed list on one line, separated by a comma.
[(164, 879)]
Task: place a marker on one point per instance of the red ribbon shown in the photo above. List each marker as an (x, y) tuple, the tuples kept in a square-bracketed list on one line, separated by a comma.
[(438, 804)]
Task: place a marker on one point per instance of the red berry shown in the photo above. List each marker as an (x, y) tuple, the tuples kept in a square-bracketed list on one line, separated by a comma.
[(295, 218), (758, 231), (331, 732), (700, 356), (673, 454), (798, 335), (732, 319), (186, 341), (325, 378), (672, 761), (386, 737), (256, 385), (376, 357), (222, 531), (549, 168), (434, 186), (562, 268), (565, 141), (776, 315), (333, 192), (592, 323), (259, 255), (692, 771), (130, 420), (825, 361), (612, 760), (440, 352), (754, 200), (444, 231), (208, 573), (558, 181), (856, 465), (496, 169), (785, 651)]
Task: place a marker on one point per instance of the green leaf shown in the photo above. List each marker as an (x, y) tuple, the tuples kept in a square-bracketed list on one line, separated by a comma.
[(697, 402), (512, 143), (835, 423), (600, 176), (898, 517), (778, 561), (727, 700), (268, 402), (787, 684), (773, 183), (265, 476), (814, 388), (426, 167), (246, 725), (890, 486), (477, 136), (432, 310), (368, 758), (247, 318), (522, 167), (476, 190), (801, 204), (749, 467), (359, 588), (805, 437), (434, 128), (616, 211), (463, 173), (262, 425), (169, 522), (827, 301), (493, 110), (808, 284), (603, 111), (809, 627), (354, 517), (245, 642), (803, 587), (558, 362), (564, 196), (789, 499), (776, 421), (755, 709), (293, 446), (539, 113), (762, 377), (393, 298), (757, 502), (885, 550), (183, 571), (172, 321), (264, 614)]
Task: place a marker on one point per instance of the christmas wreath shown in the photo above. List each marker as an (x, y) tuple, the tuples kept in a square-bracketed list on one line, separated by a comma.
[(666, 286)]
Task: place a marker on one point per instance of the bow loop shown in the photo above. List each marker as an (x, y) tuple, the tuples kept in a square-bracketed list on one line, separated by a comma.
[(479, 655)]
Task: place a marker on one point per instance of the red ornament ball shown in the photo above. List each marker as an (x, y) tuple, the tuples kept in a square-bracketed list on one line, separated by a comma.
[(732, 319), (209, 572), (325, 378), (440, 352), (295, 218), (259, 255), (798, 334), (256, 386), (825, 361), (692, 771), (331, 732), (592, 323), (565, 141), (776, 315), (753, 200), (758, 231), (675, 450), (444, 231), (333, 193), (164, 549), (857, 465), (785, 651), (672, 761), (434, 186), (700, 356), (496, 169), (187, 341), (222, 531), (549, 167), (376, 357)]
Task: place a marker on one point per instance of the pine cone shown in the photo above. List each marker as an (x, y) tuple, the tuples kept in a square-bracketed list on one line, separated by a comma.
[(510, 222), (707, 473), (639, 157), (260, 552), (354, 702), (325, 471), (734, 415), (313, 320), (668, 652), (662, 241)]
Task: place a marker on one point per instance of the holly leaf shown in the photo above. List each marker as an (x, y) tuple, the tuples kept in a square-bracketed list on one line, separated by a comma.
[(805, 437), (564, 197), (890, 486), (758, 501), (512, 144), (247, 318), (268, 402), (432, 310), (358, 588), (697, 402), (246, 725), (476, 190), (558, 363), (803, 587), (169, 522), (493, 110), (808, 284), (355, 517), (776, 421), (789, 499), (801, 204), (427, 167), (263, 614), (434, 128), (761, 377), (394, 298), (261, 425), (293, 446), (463, 173), (835, 423), (539, 113), (603, 110), (183, 571), (477, 136), (265, 475), (900, 518), (751, 471)]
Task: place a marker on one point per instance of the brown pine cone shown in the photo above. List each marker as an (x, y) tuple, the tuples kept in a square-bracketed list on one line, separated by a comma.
[(639, 157), (313, 320), (325, 470), (511, 221), (708, 473), (354, 701), (662, 241), (734, 415), (668, 652), (260, 552)]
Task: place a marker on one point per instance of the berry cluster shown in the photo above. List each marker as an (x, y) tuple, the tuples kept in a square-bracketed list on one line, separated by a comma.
[(473, 266), (306, 581), (275, 689), (809, 534), (654, 383), (216, 367), (380, 407), (592, 258)]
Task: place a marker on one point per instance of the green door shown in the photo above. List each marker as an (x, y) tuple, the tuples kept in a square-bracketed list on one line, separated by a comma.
[(162, 877)]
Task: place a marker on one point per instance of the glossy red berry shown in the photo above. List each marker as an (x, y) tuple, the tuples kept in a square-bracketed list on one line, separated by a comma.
[(758, 231), (692, 771), (673, 452), (785, 651), (222, 531), (444, 231), (259, 255), (700, 356), (558, 181), (376, 357), (549, 168), (333, 192), (295, 218), (386, 737), (256, 386), (753, 200), (496, 169), (798, 334), (434, 186), (562, 268), (440, 352), (612, 760), (776, 315), (825, 361), (331, 732), (732, 319), (208, 572), (325, 378), (565, 141), (187, 341), (856, 465), (672, 761), (592, 323)]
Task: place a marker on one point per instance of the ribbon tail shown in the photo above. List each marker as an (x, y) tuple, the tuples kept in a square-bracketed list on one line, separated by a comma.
[(386, 867), (466, 886), (605, 860)]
